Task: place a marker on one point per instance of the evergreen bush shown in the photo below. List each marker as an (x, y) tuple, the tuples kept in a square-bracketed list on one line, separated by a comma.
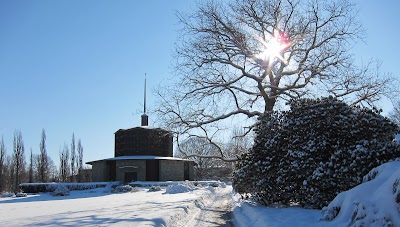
[(317, 149), (61, 190)]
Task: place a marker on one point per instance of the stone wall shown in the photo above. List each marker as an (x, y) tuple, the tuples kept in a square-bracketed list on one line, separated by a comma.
[(171, 170), (100, 172), (138, 166)]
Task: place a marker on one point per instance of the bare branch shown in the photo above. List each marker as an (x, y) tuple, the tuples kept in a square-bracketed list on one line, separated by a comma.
[(228, 71)]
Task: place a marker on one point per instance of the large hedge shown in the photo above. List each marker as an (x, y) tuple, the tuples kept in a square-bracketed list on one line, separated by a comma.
[(51, 187), (317, 149)]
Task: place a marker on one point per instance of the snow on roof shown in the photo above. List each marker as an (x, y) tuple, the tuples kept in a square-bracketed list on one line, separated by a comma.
[(140, 157), (143, 127)]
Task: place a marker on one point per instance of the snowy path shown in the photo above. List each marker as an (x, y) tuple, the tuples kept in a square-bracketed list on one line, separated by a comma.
[(214, 210)]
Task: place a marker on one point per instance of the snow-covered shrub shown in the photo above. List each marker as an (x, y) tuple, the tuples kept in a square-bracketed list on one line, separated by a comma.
[(125, 188), (309, 154), (211, 188), (37, 187), (61, 190), (214, 184), (21, 194), (372, 203), (50, 187), (7, 194), (155, 188), (109, 187)]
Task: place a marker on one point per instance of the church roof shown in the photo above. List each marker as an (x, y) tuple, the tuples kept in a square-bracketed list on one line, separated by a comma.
[(140, 157), (143, 127)]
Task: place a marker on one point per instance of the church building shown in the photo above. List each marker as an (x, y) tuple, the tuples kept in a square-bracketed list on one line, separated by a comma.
[(142, 154)]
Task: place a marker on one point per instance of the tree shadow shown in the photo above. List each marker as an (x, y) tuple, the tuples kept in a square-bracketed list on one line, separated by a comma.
[(46, 196)]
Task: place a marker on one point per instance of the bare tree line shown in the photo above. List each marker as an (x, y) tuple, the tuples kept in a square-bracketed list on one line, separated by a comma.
[(71, 162), (16, 169), (208, 156), (395, 114)]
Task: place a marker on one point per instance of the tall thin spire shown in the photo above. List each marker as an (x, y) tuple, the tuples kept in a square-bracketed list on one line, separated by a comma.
[(144, 111), (145, 118)]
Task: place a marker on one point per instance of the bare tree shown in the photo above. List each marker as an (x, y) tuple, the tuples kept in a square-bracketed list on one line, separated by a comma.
[(8, 180), (35, 167), (395, 114), (79, 161), (238, 143), (205, 155), (43, 163), (2, 164), (52, 174), (238, 59), (64, 164), (18, 160), (73, 158), (31, 168)]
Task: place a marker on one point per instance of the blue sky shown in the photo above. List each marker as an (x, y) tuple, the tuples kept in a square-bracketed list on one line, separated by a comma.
[(78, 66)]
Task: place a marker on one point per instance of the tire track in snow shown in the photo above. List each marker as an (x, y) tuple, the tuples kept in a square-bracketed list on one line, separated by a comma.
[(214, 210)]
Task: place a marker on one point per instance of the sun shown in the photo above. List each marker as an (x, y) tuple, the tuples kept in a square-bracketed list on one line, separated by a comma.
[(273, 48)]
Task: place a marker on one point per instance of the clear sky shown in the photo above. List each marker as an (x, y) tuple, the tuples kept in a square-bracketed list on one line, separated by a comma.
[(78, 66)]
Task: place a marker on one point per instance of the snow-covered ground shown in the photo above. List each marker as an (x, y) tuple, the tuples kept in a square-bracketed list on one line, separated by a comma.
[(373, 203), (178, 205)]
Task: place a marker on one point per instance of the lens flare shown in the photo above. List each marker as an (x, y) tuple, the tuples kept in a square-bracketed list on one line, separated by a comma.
[(274, 48)]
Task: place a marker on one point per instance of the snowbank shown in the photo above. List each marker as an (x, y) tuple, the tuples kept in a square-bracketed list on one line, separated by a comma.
[(372, 203), (178, 188)]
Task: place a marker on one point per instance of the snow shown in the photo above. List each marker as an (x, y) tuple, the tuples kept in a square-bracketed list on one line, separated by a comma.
[(99, 207), (140, 157), (178, 188), (372, 203), (248, 214)]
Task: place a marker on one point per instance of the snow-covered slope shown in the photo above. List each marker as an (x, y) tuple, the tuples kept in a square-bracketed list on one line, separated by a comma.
[(372, 203)]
